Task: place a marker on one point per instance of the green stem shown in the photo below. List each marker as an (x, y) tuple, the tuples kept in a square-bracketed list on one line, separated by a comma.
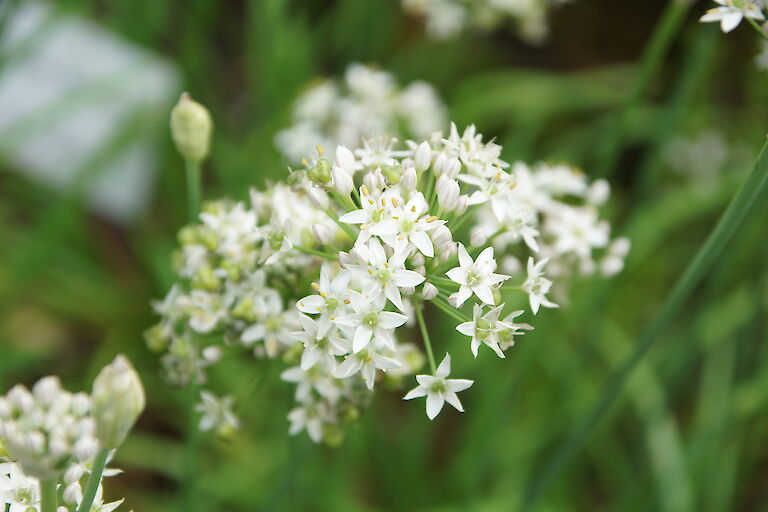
[(425, 336), (48, 500), (441, 302), (191, 450), (653, 58), (757, 27), (193, 189), (754, 189), (349, 230), (315, 252), (93, 481)]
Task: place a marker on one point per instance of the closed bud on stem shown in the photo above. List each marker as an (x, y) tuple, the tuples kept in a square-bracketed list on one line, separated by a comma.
[(345, 159), (441, 235), (118, 399), (417, 260), (439, 164), (342, 181), (448, 192), (318, 197), (422, 159), (452, 168), (323, 233), (374, 180), (462, 205), (409, 179), (191, 128), (429, 292), (478, 237)]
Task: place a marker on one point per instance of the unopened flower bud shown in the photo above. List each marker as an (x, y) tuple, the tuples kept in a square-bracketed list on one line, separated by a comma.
[(448, 192), (478, 237), (318, 198), (409, 179), (345, 259), (417, 260), (118, 399), (422, 159), (441, 235), (462, 205), (72, 494), (374, 180), (453, 300), (73, 474), (448, 251), (323, 233), (345, 159), (429, 292), (598, 192), (439, 164), (452, 168), (191, 128), (342, 181)]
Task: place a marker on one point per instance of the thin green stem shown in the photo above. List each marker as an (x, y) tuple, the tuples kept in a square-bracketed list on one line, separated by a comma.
[(441, 302), (754, 189), (344, 201), (425, 336), (315, 252), (48, 498), (193, 190), (653, 58), (93, 480), (191, 449), (349, 230), (757, 27)]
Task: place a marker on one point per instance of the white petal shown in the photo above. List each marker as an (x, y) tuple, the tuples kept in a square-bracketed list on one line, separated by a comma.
[(730, 21), (444, 369), (355, 217), (309, 358), (362, 337), (467, 328), (458, 275), (462, 295), (465, 260), (350, 366), (416, 392), (484, 293), (312, 304), (457, 385), (434, 405), (423, 243), (408, 278), (389, 320), (452, 399)]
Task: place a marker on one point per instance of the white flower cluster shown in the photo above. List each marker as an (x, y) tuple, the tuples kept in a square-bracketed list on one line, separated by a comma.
[(374, 231), (730, 13), (447, 18), (50, 434), (367, 103)]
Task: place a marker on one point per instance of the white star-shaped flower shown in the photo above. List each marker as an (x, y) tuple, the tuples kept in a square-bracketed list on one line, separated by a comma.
[(489, 329), (438, 389), (731, 12), (476, 276), (369, 321), (537, 286)]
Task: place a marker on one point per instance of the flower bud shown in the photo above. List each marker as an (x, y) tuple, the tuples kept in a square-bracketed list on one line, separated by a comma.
[(72, 494), (191, 128), (478, 237), (345, 159), (462, 205), (441, 235), (452, 168), (429, 292), (323, 233), (374, 180), (409, 179), (73, 474), (422, 159), (598, 193), (318, 198), (345, 259), (342, 181), (417, 260), (448, 192), (118, 399), (440, 161)]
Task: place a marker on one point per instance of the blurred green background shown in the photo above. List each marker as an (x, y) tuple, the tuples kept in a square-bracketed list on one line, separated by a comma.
[(690, 430)]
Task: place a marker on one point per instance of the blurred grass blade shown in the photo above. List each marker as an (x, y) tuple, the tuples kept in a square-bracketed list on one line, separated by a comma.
[(653, 57), (755, 186)]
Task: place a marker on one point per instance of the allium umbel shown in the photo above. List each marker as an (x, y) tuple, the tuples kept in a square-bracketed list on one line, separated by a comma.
[(426, 227)]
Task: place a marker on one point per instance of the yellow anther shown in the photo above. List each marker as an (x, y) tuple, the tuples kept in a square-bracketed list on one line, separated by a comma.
[(324, 295), (320, 150), (304, 162), (315, 286), (346, 301), (365, 190)]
